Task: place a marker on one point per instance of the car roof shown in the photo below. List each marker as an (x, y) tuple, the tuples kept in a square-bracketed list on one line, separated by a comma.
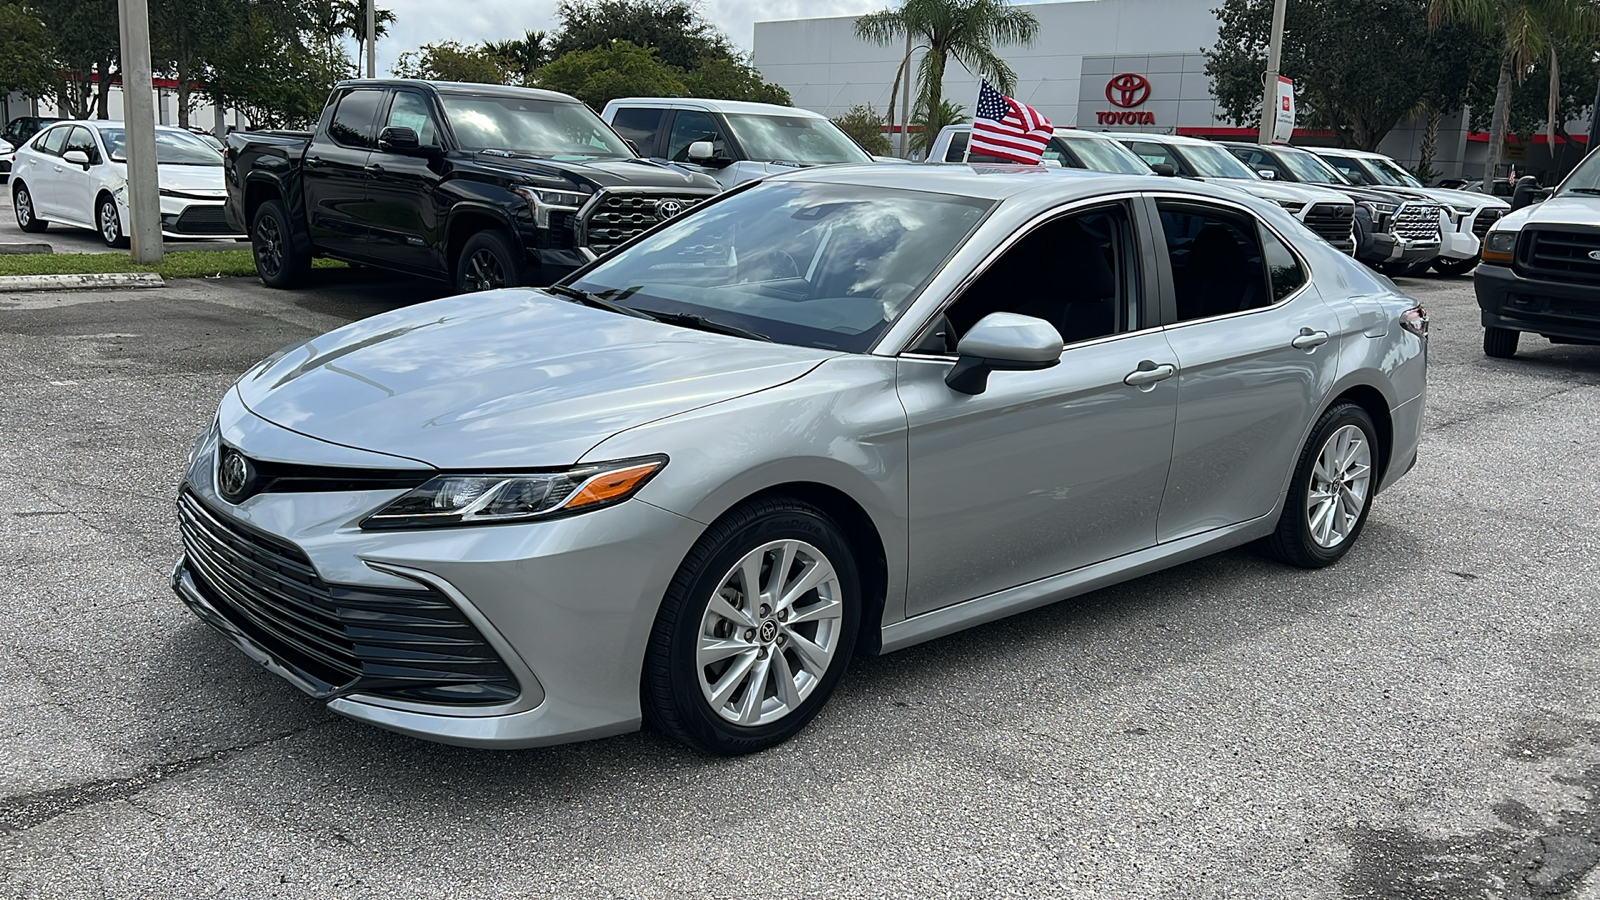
[(1340, 151), (99, 124), (998, 182), (1179, 139), (723, 106), (462, 87)]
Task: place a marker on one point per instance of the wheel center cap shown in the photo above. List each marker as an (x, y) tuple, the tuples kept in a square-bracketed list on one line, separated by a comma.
[(768, 631)]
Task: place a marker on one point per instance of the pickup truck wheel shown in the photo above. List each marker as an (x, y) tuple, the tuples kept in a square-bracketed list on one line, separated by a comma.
[(1450, 268), (487, 261), (278, 263), (1500, 343)]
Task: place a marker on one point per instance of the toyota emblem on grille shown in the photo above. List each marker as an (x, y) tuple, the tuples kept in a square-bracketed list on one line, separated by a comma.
[(666, 209), (1594, 255), (234, 475)]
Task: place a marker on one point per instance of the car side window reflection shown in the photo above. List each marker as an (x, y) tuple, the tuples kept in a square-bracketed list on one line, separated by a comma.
[(689, 126), (1074, 272), (1285, 274), (50, 142), (81, 139), (1216, 260), (410, 110)]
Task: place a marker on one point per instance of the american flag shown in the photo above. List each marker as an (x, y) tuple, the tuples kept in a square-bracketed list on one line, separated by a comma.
[(1007, 129)]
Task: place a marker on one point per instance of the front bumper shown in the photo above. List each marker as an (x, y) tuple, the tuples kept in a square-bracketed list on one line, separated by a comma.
[(1458, 245), (187, 218), (568, 604), (1567, 310), (1383, 247)]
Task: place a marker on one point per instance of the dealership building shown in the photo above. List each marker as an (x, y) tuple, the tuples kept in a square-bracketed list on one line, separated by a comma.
[(1124, 65)]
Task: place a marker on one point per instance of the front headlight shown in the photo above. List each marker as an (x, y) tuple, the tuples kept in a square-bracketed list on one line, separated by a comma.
[(543, 202), (468, 499), (1293, 206), (1499, 247), (1379, 207)]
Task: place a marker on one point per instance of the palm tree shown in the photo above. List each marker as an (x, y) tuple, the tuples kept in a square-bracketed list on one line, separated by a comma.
[(1528, 30), (963, 30)]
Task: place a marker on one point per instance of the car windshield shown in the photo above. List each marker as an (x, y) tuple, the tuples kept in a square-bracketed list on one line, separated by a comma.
[(817, 265), (531, 126), (173, 148), (1388, 173), (1585, 179), (1103, 154), (796, 139), (1307, 167), (1214, 162)]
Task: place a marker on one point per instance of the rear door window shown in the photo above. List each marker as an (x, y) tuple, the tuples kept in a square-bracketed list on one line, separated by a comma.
[(640, 124), (354, 122), (51, 141), (1217, 260)]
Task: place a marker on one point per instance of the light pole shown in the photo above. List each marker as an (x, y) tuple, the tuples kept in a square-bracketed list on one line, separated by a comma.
[(144, 191), (372, 38), (905, 97), (1269, 90)]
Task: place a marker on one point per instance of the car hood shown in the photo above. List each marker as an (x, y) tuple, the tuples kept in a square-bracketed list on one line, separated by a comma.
[(502, 379), (1573, 209), (202, 180), (1278, 190), (600, 173), (1465, 199)]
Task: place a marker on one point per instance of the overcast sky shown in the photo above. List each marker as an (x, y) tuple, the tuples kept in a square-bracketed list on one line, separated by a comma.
[(421, 22)]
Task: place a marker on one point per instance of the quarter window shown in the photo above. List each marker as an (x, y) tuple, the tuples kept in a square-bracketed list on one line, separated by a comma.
[(689, 126), (353, 119), (1216, 260), (641, 125), (1284, 272)]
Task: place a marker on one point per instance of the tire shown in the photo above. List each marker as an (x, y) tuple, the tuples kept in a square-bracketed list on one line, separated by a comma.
[(713, 707), (1313, 532), (1405, 270), (1450, 268), (487, 261), (22, 202), (110, 223), (1500, 343), (278, 262)]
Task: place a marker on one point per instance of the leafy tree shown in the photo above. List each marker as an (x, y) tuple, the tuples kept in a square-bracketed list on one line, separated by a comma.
[(183, 35), (963, 30), (1360, 67), (1527, 33), (674, 29), (522, 56), (26, 64), (84, 35), (274, 67), (864, 124), (619, 69), (948, 112), (452, 61), (731, 78)]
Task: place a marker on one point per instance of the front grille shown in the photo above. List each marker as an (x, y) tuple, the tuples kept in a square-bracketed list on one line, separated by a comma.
[(1417, 222), (404, 644), (1331, 220), (618, 217), (203, 220), (1561, 254), (1485, 220)]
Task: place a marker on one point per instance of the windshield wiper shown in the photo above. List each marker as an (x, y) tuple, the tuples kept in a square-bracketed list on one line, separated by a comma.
[(1582, 190), (597, 301), (689, 320)]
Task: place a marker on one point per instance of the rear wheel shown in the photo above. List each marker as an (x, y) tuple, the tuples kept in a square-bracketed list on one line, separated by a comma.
[(278, 263), (755, 629), (27, 219), (1332, 490), (1450, 268), (488, 261), (110, 223), (1500, 343)]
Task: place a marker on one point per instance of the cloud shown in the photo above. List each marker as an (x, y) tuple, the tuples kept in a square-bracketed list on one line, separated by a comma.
[(419, 22)]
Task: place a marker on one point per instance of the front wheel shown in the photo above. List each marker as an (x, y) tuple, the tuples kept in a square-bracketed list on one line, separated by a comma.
[(27, 219), (110, 223), (1500, 343), (755, 629), (278, 262), (1450, 268), (1405, 270), (488, 261), (1332, 490)]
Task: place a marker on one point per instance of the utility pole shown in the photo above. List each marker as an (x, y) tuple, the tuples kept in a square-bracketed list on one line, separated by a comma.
[(372, 38), (144, 191), (1269, 89), (905, 98)]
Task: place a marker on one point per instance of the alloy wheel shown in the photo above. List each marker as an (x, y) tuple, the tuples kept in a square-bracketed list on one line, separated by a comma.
[(110, 228), (484, 271), (1339, 486), (24, 204), (269, 246), (769, 632)]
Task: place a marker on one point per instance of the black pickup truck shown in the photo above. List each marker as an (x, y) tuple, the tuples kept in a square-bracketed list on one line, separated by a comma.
[(481, 185)]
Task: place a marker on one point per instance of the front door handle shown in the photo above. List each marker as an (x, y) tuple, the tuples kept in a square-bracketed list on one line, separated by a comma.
[(373, 169), (1145, 377), (1308, 339)]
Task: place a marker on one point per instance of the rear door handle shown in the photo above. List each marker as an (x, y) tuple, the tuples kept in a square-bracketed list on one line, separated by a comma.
[(1308, 339), (1145, 377)]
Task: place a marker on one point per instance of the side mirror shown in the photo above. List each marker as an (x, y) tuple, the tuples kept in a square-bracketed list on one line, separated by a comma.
[(702, 152), (1526, 194), (1164, 169), (403, 141), (1267, 174), (632, 146), (77, 158), (1002, 342)]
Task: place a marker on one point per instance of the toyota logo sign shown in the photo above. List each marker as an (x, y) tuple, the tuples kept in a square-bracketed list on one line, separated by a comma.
[(1128, 90), (666, 209), (235, 475)]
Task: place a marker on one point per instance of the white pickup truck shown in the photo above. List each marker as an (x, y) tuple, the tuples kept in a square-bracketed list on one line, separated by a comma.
[(1069, 148)]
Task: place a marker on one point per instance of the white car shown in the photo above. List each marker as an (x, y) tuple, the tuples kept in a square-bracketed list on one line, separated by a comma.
[(1470, 214), (75, 173)]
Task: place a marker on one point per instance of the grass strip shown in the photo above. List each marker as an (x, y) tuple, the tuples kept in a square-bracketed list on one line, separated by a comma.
[(182, 264)]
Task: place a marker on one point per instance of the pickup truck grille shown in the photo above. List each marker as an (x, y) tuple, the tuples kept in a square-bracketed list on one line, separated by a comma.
[(1417, 222), (1560, 255), (1331, 220), (1485, 220), (618, 217)]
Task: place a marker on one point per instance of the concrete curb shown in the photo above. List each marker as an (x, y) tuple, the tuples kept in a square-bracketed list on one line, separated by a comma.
[(21, 249), (80, 282)]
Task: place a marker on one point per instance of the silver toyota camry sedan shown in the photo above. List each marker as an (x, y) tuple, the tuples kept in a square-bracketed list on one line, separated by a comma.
[(840, 411)]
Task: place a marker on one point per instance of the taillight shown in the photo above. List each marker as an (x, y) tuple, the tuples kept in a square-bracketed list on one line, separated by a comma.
[(1415, 320)]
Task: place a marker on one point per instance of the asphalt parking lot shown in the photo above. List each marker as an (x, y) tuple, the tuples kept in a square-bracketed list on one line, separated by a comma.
[(1420, 721)]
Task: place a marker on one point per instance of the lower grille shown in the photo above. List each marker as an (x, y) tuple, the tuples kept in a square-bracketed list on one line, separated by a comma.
[(203, 220), (1417, 222), (1560, 254), (617, 218), (406, 644), (1485, 220), (1331, 220)]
